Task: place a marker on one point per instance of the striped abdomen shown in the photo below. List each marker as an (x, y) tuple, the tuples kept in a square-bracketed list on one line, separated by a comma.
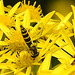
[(26, 36), (27, 39)]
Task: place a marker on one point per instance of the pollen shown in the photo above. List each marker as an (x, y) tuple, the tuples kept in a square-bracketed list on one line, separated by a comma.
[(14, 42), (7, 20), (33, 10), (24, 59)]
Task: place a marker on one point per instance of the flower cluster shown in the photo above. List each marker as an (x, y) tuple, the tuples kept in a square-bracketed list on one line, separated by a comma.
[(51, 37)]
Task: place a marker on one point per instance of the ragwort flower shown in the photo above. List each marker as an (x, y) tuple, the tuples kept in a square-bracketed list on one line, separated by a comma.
[(7, 18), (33, 10), (49, 35)]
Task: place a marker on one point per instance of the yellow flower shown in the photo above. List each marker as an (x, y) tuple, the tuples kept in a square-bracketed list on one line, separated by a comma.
[(52, 39), (7, 18), (35, 12)]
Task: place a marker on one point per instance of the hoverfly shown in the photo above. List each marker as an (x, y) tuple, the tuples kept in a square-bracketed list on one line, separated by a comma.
[(28, 41)]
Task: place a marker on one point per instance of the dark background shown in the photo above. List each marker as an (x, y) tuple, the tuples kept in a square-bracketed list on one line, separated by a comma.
[(62, 6)]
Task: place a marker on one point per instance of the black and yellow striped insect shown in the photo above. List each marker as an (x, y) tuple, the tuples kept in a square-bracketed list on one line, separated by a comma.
[(28, 41)]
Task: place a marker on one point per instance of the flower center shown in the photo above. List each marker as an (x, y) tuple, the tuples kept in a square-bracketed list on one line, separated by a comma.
[(16, 42), (33, 11), (24, 59)]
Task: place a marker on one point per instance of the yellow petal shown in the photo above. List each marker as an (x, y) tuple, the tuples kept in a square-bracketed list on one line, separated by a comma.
[(2, 58), (35, 33), (28, 71), (19, 71), (59, 15), (68, 24), (1, 7), (28, 2), (3, 51), (18, 24), (73, 9), (20, 14), (47, 17), (3, 66), (24, 1), (5, 56), (61, 24), (67, 39), (3, 43), (46, 63), (5, 29), (12, 11), (74, 25), (67, 48), (34, 3), (7, 73), (26, 22), (1, 34)]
